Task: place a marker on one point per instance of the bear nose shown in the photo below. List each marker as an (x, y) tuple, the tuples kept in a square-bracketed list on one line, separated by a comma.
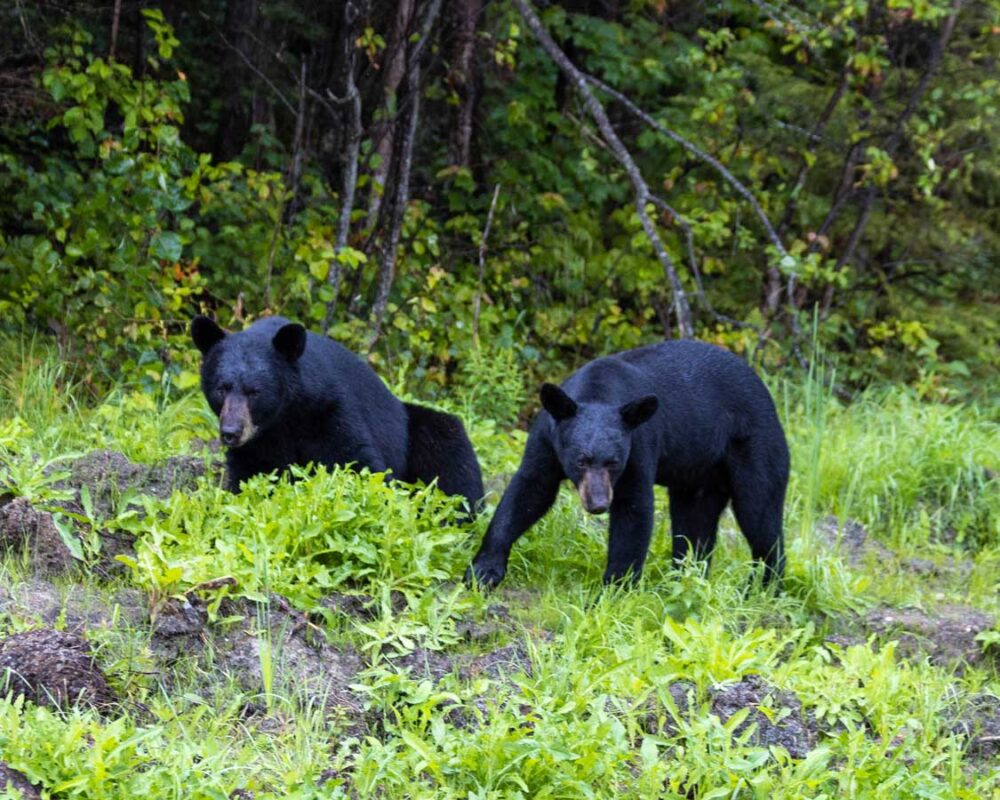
[(229, 436), (597, 508)]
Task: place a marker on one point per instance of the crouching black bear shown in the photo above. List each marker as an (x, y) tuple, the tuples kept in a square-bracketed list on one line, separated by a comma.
[(284, 396), (681, 414)]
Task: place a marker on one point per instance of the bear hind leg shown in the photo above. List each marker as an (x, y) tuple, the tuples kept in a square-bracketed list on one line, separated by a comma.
[(758, 503), (439, 448)]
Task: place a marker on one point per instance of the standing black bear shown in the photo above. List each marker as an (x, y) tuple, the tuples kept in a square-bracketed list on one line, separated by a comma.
[(284, 396), (681, 414)]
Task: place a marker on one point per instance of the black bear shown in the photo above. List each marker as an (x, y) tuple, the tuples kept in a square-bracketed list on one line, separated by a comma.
[(682, 414), (284, 396)]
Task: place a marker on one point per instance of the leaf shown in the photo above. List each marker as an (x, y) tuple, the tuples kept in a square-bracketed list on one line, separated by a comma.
[(66, 534), (166, 245)]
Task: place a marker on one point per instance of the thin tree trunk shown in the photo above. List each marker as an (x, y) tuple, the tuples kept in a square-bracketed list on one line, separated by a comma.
[(385, 131), (404, 162), (482, 268), (352, 146), (115, 22), (463, 79)]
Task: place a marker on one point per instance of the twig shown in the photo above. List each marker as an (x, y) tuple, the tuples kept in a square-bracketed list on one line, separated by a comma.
[(482, 267), (640, 189)]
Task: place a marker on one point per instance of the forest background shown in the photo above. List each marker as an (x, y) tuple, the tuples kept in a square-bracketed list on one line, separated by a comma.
[(420, 177)]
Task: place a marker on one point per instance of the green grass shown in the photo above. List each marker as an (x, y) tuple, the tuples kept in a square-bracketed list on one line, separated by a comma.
[(593, 715)]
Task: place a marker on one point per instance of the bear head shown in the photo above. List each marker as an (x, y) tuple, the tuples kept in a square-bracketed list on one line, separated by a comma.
[(593, 441), (248, 378)]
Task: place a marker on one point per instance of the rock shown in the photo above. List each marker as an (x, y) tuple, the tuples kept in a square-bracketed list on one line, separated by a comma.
[(53, 668)]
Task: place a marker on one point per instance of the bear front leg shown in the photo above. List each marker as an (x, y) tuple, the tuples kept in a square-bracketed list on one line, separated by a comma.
[(629, 532), (531, 493)]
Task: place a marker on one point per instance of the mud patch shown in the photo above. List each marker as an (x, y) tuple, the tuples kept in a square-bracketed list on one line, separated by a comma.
[(980, 725), (178, 629), (12, 780), (946, 636), (75, 608), (852, 541), (660, 719), (24, 527), (315, 671), (52, 668), (783, 725), (359, 605), (499, 664)]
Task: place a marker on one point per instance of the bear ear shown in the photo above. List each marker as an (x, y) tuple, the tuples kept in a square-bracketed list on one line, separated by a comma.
[(639, 411), (559, 404), (205, 333), (290, 341)]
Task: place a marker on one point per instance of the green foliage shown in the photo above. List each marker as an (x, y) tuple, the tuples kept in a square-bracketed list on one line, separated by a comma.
[(588, 709)]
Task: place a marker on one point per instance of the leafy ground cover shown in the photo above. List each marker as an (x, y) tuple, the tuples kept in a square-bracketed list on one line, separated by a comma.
[(313, 638)]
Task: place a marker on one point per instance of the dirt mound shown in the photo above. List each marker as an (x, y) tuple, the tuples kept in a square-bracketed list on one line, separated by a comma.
[(783, 725), (108, 474), (52, 668), (947, 635), (12, 780), (22, 526), (980, 725)]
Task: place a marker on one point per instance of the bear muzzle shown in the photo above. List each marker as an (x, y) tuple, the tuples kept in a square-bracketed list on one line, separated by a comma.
[(595, 491), (236, 427)]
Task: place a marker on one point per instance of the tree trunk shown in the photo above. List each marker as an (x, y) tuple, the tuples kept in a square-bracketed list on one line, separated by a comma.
[(384, 131), (235, 119), (464, 79)]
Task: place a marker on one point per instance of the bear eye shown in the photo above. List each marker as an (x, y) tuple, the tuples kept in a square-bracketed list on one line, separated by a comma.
[(225, 387), (611, 463), (583, 461), (251, 392)]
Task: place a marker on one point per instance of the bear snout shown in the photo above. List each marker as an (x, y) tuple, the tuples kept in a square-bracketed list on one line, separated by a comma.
[(236, 427), (595, 491)]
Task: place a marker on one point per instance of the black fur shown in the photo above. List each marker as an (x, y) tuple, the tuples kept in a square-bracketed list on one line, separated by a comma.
[(285, 396), (685, 415)]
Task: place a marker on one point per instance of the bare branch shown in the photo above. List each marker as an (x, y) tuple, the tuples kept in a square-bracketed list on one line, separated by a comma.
[(640, 189), (696, 151)]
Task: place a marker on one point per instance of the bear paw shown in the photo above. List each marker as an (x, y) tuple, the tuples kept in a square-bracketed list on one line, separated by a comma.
[(485, 575)]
